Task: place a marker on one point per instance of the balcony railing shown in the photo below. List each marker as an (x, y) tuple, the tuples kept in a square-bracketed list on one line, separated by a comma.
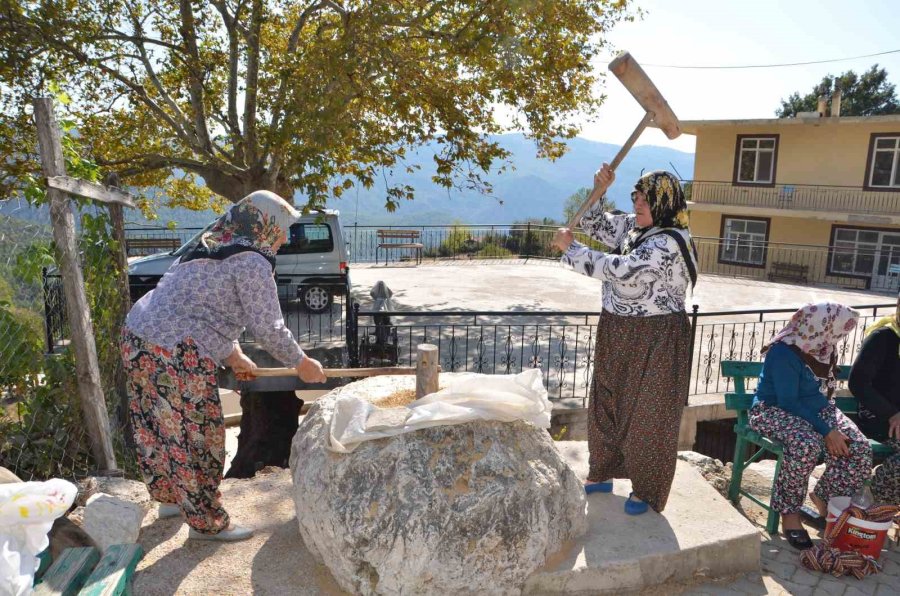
[(840, 199)]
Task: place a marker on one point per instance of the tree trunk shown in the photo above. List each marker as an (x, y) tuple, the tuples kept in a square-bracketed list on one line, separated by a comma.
[(268, 423), (235, 188)]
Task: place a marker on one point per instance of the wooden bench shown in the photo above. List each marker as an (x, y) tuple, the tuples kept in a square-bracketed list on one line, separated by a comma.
[(83, 572), (740, 401), (391, 239), (150, 245), (789, 271)]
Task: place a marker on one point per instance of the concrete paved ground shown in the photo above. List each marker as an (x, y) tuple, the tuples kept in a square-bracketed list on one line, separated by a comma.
[(781, 572), (698, 536), (548, 285)]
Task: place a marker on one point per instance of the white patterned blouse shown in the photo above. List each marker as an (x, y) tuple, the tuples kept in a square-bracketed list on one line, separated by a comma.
[(652, 279)]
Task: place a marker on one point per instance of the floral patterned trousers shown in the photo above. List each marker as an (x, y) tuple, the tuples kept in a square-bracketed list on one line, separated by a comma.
[(802, 448), (179, 430), (886, 484)]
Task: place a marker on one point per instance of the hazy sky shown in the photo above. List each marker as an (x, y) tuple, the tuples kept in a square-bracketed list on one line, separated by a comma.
[(729, 32)]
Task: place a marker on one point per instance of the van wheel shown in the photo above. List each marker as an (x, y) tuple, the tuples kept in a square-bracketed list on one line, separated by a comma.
[(316, 299)]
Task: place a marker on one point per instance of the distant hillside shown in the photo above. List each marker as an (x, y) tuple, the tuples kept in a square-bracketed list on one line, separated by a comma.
[(535, 188)]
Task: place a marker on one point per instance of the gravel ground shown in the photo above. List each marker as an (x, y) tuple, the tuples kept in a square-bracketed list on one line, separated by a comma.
[(275, 561)]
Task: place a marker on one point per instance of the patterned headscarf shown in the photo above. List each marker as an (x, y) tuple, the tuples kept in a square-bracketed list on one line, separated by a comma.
[(666, 198), (816, 329), (255, 223)]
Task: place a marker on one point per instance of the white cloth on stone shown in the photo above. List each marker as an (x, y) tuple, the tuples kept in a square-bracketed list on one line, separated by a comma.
[(505, 398)]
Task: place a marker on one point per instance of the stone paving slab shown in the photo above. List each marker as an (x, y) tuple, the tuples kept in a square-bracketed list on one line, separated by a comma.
[(782, 574), (699, 535)]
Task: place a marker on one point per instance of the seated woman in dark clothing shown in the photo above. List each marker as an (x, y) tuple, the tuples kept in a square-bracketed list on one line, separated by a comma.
[(875, 381), (794, 406)]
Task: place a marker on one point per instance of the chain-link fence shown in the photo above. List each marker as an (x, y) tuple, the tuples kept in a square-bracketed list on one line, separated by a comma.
[(42, 428)]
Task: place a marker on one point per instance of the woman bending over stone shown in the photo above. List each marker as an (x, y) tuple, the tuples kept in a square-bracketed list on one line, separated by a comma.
[(175, 337)]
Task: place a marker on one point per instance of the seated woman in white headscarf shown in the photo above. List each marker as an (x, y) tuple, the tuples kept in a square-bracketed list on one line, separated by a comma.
[(794, 405)]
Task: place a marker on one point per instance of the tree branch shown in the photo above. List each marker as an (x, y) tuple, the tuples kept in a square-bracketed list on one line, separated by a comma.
[(139, 39), (147, 162), (157, 84), (294, 39), (136, 88), (195, 79), (232, 122), (250, 95)]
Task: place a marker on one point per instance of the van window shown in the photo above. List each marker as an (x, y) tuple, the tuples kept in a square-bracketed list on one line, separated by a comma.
[(308, 238)]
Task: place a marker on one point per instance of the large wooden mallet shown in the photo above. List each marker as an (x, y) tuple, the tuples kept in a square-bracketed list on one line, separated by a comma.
[(426, 370), (630, 73)]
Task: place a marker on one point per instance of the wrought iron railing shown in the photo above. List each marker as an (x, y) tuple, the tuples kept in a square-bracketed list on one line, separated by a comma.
[(718, 256), (742, 335), (311, 329), (561, 344), (806, 264), (840, 199), (481, 241)]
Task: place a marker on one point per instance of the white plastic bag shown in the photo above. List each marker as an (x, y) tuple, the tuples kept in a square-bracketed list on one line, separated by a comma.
[(27, 511), (474, 397)]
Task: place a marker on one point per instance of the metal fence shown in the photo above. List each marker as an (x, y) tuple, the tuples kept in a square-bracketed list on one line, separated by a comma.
[(772, 261), (42, 432), (859, 268), (482, 241), (312, 329), (740, 335), (561, 344), (797, 196)]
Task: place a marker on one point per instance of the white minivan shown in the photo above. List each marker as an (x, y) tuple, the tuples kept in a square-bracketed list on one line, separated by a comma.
[(312, 265)]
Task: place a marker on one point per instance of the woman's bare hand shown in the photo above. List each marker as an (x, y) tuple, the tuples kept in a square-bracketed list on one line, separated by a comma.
[(563, 239), (310, 371), (604, 177), (244, 368), (836, 443)]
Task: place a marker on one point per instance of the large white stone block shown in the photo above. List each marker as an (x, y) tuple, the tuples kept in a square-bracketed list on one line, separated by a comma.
[(464, 509)]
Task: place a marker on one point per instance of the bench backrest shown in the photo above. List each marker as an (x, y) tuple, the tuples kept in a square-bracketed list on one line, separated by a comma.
[(144, 243), (740, 401), (790, 266), (382, 234)]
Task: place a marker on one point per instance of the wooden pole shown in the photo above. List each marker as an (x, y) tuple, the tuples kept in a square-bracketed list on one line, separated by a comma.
[(93, 404), (597, 193), (333, 373), (120, 378), (426, 370)]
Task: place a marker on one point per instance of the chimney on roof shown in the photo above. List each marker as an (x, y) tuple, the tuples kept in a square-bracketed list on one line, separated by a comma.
[(836, 102), (822, 107)]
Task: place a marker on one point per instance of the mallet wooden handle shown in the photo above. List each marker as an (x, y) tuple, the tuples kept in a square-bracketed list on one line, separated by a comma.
[(597, 193), (340, 372)]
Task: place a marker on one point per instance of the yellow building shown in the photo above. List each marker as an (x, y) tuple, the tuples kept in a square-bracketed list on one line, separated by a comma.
[(812, 199)]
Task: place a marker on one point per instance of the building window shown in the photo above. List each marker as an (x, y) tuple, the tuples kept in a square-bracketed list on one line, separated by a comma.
[(744, 241), (755, 159), (853, 251), (884, 162)]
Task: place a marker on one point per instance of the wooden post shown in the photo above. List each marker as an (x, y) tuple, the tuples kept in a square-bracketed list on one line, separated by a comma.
[(120, 379), (426, 370), (93, 403)]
